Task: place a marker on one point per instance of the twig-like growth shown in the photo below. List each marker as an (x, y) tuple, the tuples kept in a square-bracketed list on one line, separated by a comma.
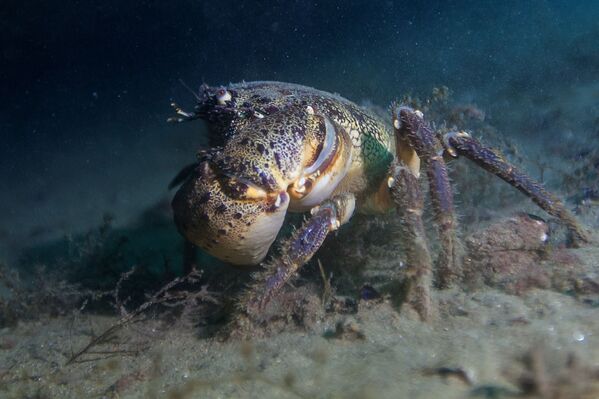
[(42, 294), (326, 293), (165, 296)]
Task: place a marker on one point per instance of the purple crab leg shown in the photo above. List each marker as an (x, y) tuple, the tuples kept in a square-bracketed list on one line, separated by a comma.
[(461, 143), (297, 251), (410, 124), (409, 200)]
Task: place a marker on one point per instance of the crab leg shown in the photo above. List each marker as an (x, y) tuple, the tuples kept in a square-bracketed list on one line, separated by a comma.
[(461, 143), (408, 198), (410, 126), (298, 250)]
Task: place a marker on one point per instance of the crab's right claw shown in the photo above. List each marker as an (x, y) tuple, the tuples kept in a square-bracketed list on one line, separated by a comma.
[(297, 250)]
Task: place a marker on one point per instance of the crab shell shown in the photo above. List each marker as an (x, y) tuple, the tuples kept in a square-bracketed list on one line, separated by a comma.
[(234, 203)]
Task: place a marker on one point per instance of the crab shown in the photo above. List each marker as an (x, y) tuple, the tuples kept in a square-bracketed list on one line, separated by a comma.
[(279, 147)]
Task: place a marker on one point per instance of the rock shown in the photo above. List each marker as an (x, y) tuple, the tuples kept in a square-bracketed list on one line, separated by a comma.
[(508, 255)]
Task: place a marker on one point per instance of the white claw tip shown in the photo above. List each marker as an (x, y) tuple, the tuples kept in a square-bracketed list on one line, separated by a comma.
[(419, 113), (390, 182), (396, 124), (335, 224), (310, 110)]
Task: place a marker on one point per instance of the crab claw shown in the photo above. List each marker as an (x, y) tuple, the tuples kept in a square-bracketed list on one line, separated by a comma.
[(231, 218)]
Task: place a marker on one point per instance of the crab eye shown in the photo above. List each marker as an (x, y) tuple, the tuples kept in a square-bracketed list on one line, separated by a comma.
[(222, 96)]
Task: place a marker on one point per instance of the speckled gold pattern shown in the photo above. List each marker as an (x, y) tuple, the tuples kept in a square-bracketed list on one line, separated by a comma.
[(270, 133), (372, 140), (234, 230)]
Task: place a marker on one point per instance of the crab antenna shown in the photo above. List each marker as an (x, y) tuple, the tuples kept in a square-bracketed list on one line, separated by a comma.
[(193, 93)]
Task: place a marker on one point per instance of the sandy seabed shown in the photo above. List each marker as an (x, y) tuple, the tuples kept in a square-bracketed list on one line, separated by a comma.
[(474, 348)]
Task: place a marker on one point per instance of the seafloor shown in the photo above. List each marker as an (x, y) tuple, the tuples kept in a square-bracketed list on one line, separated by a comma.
[(525, 323)]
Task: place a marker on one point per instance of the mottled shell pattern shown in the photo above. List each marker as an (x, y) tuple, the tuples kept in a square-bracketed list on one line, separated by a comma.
[(277, 147)]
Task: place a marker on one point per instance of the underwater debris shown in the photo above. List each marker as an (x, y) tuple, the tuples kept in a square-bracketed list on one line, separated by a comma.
[(42, 294), (583, 180), (126, 382), (97, 259), (298, 308), (492, 392), (517, 254), (445, 372), (369, 293), (508, 255), (107, 344), (539, 380), (347, 330), (327, 290)]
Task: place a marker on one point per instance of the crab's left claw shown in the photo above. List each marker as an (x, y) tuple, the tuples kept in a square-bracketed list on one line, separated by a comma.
[(231, 219)]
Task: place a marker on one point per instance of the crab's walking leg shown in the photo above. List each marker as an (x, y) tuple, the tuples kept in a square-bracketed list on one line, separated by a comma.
[(409, 200), (410, 125), (298, 250), (461, 143)]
